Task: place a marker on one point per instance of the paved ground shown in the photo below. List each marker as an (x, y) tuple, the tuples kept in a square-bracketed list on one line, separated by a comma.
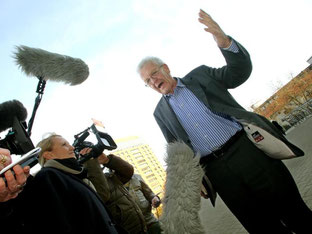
[(219, 220)]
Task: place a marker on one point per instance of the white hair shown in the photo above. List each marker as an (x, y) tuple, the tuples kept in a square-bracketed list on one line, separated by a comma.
[(149, 59)]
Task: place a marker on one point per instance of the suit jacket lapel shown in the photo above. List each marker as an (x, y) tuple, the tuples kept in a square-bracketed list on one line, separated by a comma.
[(172, 122), (197, 90), (169, 114)]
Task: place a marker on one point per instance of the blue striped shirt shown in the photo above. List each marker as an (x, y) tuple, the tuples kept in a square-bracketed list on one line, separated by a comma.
[(206, 129), (233, 47)]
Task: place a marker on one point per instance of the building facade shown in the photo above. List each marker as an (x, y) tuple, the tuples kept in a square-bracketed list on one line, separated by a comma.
[(139, 154), (292, 103)]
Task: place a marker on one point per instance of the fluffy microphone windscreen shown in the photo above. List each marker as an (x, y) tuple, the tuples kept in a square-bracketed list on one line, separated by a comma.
[(9, 110), (51, 66)]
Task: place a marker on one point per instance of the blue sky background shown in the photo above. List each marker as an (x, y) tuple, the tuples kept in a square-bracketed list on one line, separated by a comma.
[(113, 36)]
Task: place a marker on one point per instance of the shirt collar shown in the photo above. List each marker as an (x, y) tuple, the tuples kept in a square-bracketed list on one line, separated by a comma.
[(179, 84)]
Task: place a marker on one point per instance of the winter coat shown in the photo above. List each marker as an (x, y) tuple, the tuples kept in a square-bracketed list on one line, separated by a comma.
[(56, 200), (143, 196), (110, 187)]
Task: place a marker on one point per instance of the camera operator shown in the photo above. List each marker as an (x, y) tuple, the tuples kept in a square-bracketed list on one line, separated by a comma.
[(110, 187)]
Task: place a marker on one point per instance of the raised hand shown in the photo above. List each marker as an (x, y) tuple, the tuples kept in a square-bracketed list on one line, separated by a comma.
[(219, 36)]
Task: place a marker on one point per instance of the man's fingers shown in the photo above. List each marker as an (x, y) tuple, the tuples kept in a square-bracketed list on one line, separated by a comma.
[(205, 19), (27, 170), (2, 185), (204, 16), (19, 175), (3, 191), (12, 188), (202, 12), (12, 183), (85, 151)]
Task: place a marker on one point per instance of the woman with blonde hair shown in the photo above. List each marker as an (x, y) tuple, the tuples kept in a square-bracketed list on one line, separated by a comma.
[(57, 200)]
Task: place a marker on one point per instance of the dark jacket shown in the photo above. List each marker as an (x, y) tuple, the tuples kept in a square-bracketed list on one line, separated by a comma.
[(143, 196), (110, 187), (56, 201), (210, 86)]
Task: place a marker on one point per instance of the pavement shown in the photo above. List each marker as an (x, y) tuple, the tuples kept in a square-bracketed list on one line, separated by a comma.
[(220, 220)]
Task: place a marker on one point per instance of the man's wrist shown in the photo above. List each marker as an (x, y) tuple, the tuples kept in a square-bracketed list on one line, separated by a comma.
[(224, 42), (232, 47)]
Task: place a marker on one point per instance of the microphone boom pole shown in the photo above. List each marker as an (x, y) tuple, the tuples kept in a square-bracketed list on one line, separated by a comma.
[(40, 89), (49, 66)]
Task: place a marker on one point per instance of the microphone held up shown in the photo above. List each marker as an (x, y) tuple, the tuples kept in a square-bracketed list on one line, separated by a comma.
[(51, 66)]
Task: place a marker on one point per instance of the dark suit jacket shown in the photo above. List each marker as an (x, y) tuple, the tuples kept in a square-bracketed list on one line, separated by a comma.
[(210, 85)]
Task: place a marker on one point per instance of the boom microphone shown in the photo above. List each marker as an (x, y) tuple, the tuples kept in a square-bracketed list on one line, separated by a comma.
[(51, 66), (9, 110)]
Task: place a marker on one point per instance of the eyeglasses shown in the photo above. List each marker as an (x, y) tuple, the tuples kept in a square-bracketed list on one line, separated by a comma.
[(153, 75)]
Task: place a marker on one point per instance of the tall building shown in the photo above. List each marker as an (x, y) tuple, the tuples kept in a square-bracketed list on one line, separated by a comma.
[(139, 154)]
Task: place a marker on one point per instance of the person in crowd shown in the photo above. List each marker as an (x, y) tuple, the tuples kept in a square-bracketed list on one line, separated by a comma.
[(146, 199), (111, 188), (59, 198), (240, 151), (10, 185)]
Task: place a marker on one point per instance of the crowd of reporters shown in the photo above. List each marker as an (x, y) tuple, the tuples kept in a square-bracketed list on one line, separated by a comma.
[(67, 197)]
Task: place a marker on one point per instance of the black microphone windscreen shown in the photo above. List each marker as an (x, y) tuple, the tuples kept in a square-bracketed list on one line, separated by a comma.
[(51, 66), (9, 110)]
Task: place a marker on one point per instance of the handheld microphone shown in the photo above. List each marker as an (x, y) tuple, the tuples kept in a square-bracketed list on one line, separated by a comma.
[(9, 110), (51, 66)]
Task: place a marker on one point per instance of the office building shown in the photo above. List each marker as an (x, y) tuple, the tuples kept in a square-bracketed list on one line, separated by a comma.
[(139, 154)]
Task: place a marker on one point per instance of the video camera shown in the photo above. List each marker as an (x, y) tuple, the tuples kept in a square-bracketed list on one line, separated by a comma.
[(18, 142), (104, 141), (45, 66), (17, 139)]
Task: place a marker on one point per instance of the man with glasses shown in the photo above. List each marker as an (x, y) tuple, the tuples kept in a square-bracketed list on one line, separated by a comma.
[(240, 151)]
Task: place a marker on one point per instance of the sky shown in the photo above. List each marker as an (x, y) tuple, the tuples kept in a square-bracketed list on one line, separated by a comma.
[(111, 37)]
